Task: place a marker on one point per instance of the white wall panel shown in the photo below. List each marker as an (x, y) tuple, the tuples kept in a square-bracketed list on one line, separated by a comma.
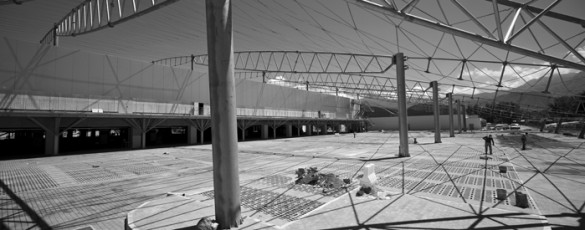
[(7, 64), (157, 83), (41, 75), (421, 122), (81, 75), (124, 76), (11, 101), (170, 88), (110, 82), (79, 72), (202, 90), (95, 78)]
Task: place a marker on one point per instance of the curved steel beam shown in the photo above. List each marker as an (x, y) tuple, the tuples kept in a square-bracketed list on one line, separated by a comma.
[(94, 15), (442, 27), (296, 62), (365, 85), (538, 10), (17, 2), (297, 68), (316, 62), (319, 71)]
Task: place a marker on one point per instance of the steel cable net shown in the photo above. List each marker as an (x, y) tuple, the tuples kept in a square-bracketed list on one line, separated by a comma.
[(475, 49)]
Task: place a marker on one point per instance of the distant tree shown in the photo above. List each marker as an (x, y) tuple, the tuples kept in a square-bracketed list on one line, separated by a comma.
[(502, 112), (581, 110), (562, 108)]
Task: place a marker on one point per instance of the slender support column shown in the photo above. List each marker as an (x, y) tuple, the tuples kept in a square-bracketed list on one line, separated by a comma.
[(436, 111), (202, 136), (55, 37), (324, 130), (288, 130), (402, 115), (264, 132), (451, 130), (559, 123), (191, 135), (226, 183), (135, 137), (464, 118), (143, 134), (582, 133), (309, 129), (243, 134), (52, 137), (299, 127), (458, 115)]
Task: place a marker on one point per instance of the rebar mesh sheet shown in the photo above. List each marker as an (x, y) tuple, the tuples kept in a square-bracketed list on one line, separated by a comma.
[(142, 168), (276, 204), (93, 175), (26, 179)]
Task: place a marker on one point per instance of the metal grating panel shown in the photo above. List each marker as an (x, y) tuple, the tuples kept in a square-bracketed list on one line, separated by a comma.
[(276, 204), (142, 168), (26, 179), (92, 175), (181, 164)]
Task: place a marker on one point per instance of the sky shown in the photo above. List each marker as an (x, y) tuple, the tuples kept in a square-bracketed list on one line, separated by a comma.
[(331, 26)]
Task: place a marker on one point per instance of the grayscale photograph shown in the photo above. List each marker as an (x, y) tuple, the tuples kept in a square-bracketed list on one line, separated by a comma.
[(292, 114)]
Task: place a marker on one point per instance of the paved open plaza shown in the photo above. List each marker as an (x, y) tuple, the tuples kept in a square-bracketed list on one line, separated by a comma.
[(451, 185)]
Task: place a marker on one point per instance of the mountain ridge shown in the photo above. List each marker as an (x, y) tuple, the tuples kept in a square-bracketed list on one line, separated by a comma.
[(531, 93)]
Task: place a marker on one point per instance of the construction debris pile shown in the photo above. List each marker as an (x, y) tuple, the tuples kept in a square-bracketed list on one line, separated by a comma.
[(327, 181), (368, 183), (331, 182)]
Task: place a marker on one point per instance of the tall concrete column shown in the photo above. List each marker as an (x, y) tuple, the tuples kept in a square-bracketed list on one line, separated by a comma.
[(264, 132), (324, 130), (309, 129), (55, 37), (243, 132), (451, 130), (582, 133), (135, 137), (402, 114), (274, 130), (52, 136), (202, 136), (458, 115), (436, 111), (299, 127), (464, 117), (191, 135), (143, 134), (222, 90), (288, 130)]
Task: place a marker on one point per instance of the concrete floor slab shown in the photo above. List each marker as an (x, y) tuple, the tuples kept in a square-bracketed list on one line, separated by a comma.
[(446, 185)]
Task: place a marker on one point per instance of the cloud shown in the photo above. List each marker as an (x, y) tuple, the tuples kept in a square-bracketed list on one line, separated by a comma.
[(444, 89), (281, 81), (514, 75), (572, 57)]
